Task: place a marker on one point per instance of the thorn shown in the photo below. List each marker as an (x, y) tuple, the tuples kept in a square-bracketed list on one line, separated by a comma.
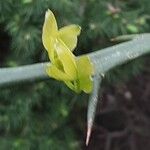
[(88, 135)]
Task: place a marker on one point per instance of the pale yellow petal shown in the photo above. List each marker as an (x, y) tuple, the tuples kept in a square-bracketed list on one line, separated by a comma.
[(70, 85), (57, 74), (49, 29), (67, 59), (73, 85), (84, 66), (85, 71), (51, 49), (68, 35), (86, 84)]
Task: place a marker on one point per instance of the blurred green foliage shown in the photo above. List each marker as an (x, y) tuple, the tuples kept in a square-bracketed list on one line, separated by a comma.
[(40, 115)]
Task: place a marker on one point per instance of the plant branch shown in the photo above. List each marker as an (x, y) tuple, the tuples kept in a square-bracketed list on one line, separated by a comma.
[(111, 57), (23, 73), (103, 61)]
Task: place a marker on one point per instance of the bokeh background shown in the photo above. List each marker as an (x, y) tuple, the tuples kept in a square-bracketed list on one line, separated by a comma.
[(46, 115)]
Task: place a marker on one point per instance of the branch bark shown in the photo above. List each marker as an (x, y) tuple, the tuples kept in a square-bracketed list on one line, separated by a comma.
[(103, 61)]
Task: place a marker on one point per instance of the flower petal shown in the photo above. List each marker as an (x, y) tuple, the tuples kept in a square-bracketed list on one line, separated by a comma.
[(70, 85), (51, 50), (67, 59), (69, 35), (86, 84), (84, 66), (85, 71), (50, 29), (57, 74), (73, 85)]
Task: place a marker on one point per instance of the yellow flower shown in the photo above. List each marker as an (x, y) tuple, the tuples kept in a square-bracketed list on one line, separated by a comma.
[(64, 65)]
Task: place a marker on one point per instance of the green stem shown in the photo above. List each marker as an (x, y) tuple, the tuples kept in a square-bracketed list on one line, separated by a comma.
[(23, 73), (103, 61), (109, 58)]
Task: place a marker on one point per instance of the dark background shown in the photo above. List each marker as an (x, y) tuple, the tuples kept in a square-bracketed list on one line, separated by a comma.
[(47, 115)]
